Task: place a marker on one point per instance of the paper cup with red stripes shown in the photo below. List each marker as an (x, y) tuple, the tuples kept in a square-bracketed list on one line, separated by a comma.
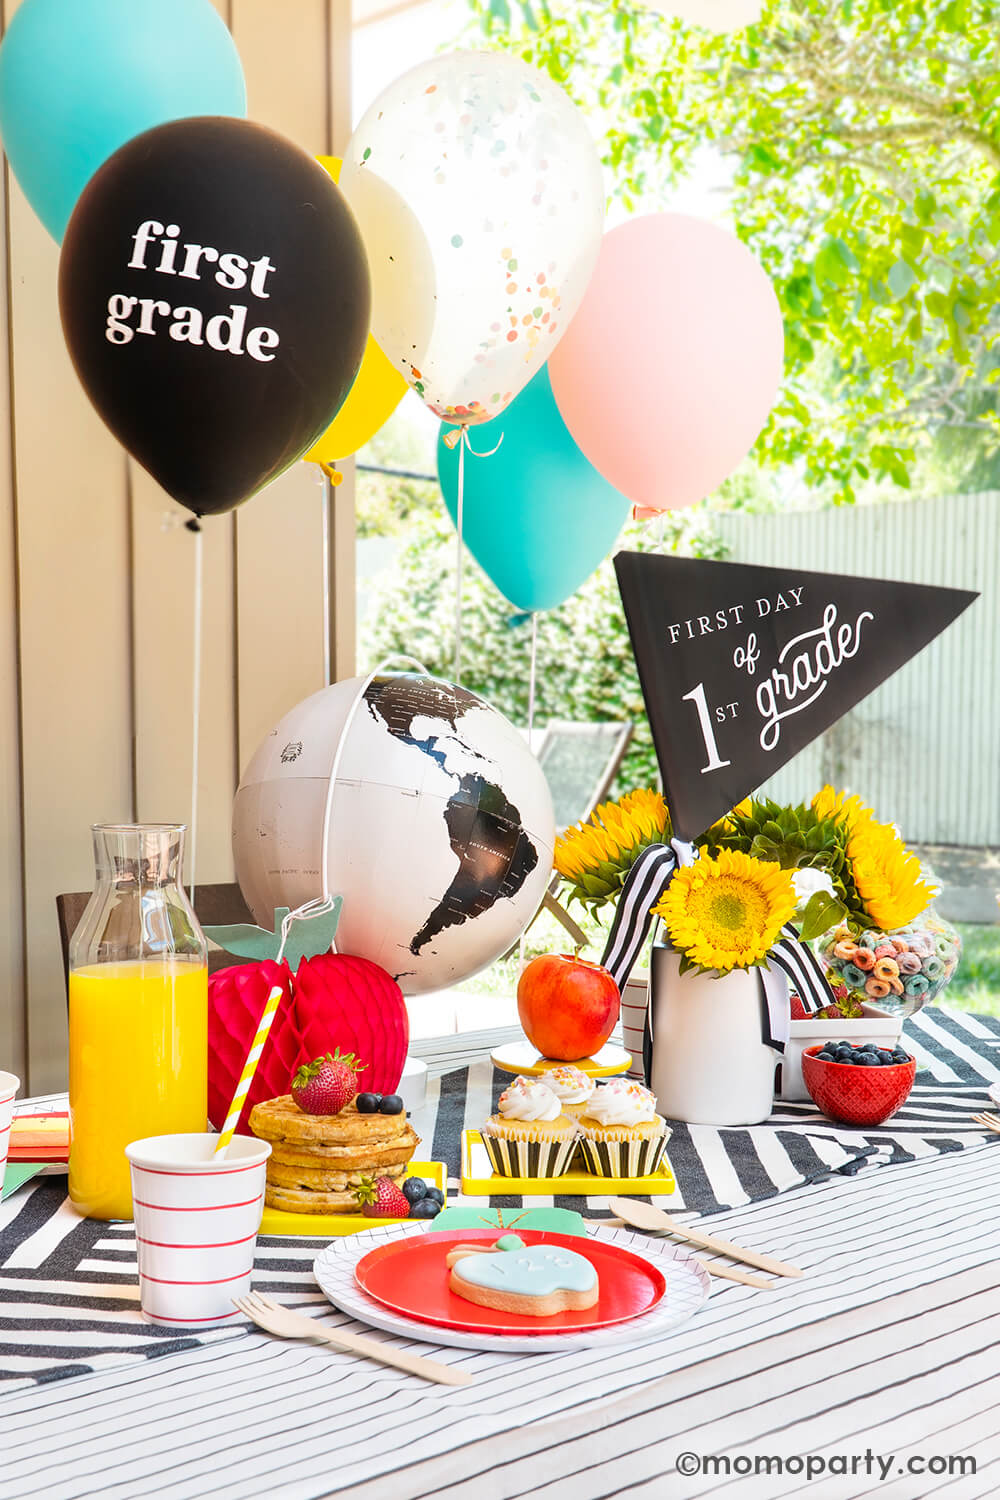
[(196, 1222), (9, 1085)]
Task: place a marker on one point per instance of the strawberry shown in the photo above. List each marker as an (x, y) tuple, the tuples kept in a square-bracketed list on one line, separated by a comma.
[(383, 1198), (325, 1085), (799, 1012)]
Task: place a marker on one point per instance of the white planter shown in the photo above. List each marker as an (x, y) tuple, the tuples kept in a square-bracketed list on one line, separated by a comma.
[(710, 1066), (884, 1031)]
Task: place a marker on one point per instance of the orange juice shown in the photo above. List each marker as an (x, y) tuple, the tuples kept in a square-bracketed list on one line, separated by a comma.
[(138, 1066)]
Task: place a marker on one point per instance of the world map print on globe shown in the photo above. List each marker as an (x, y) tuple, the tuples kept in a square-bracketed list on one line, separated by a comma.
[(441, 825)]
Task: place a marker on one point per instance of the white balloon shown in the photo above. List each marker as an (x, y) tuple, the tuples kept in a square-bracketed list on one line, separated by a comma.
[(480, 198), (719, 16)]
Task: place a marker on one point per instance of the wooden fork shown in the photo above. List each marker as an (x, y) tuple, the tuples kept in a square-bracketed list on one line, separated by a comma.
[(285, 1324), (990, 1122)]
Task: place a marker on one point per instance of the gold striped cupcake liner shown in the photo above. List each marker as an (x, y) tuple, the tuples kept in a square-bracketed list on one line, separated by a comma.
[(629, 1158), (513, 1158)]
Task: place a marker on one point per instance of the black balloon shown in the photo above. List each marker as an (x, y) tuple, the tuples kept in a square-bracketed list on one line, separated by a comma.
[(215, 299)]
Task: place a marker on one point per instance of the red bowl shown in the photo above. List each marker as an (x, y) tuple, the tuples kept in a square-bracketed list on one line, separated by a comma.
[(853, 1095)]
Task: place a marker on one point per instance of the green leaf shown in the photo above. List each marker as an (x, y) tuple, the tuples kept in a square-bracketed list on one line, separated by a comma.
[(822, 911), (901, 277)]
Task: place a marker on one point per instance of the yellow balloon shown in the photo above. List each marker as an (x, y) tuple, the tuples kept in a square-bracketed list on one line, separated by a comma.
[(377, 391)]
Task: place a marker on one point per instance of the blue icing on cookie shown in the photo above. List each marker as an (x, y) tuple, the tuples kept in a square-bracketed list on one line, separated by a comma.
[(537, 1271)]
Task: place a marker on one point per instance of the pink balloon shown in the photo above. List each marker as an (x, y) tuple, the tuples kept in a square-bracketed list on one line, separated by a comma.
[(668, 371)]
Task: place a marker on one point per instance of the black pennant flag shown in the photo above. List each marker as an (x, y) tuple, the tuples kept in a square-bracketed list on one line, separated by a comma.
[(742, 666)]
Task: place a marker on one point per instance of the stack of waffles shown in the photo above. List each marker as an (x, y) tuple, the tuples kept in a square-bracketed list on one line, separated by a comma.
[(318, 1161)]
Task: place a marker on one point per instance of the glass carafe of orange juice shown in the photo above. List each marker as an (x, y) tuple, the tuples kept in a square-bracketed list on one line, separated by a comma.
[(138, 1012)]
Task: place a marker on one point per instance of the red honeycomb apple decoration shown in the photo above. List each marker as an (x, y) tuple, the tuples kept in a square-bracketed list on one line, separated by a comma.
[(236, 999), (332, 1000), (357, 1005)]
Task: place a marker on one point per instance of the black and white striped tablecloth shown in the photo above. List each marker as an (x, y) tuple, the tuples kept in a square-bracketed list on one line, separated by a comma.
[(889, 1344), (958, 1057)]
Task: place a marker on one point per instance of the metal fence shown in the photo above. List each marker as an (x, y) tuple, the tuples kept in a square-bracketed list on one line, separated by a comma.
[(923, 749)]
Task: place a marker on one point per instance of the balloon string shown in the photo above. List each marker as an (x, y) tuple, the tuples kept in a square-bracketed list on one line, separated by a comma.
[(199, 542), (459, 520), (462, 439), (327, 560), (338, 756), (531, 680), (532, 677)]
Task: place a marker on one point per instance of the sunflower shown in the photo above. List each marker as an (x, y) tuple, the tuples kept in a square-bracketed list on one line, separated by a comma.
[(595, 857), (887, 876), (728, 912), (851, 811)]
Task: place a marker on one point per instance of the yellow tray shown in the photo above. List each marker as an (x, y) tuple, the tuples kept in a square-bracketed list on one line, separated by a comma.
[(479, 1179), (522, 1057), (325, 1226)]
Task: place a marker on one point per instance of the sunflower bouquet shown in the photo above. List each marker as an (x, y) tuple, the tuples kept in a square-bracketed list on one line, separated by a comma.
[(829, 864), (595, 857)]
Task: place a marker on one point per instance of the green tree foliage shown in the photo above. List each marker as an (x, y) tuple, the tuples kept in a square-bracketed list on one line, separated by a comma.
[(586, 669), (863, 142)]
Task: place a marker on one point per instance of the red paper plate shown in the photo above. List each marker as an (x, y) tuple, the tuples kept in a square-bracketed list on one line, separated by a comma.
[(410, 1276)]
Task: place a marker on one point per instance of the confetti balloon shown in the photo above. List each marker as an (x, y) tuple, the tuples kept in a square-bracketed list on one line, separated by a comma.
[(478, 190)]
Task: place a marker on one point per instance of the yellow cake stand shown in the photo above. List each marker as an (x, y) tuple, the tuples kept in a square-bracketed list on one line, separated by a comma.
[(522, 1057), (326, 1226), (480, 1181)]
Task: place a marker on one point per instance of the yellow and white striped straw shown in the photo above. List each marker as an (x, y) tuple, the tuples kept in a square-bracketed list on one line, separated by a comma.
[(249, 1069)]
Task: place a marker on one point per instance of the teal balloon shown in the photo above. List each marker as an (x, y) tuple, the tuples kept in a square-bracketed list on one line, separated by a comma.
[(537, 517), (79, 78)]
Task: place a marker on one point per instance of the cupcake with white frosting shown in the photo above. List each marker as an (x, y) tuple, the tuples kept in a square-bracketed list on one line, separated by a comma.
[(529, 1136), (571, 1086), (623, 1136)]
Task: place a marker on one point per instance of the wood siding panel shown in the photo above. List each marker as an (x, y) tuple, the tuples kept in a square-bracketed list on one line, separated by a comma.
[(96, 609), (75, 631), (13, 1053), (279, 550)]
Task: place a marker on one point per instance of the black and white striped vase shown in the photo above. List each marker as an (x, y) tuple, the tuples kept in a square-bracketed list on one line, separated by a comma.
[(709, 1064)]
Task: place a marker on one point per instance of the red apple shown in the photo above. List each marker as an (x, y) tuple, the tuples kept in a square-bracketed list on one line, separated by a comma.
[(568, 1007)]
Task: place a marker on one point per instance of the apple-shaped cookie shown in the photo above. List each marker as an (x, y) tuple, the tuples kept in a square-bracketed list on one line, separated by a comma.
[(567, 1006)]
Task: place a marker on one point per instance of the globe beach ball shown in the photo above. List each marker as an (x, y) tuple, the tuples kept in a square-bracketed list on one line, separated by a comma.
[(422, 807)]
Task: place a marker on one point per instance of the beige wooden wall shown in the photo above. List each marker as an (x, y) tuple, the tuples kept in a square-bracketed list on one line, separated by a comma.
[(96, 585)]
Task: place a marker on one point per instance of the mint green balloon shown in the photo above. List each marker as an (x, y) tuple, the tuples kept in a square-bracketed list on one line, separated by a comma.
[(79, 78), (537, 517)]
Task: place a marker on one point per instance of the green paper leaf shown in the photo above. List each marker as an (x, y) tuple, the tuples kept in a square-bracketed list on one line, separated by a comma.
[(308, 937)]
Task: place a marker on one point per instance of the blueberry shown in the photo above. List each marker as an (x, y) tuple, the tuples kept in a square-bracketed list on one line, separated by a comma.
[(436, 1196), (866, 1060), (368, 1104), (392, 1104), (900, 1056), (414, 1188), (426, 1208), (884, 1057), (825, 1056), (869, 1047)]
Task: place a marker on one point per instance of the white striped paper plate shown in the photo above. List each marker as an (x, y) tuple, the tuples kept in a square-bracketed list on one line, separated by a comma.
[(688, 1286)]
